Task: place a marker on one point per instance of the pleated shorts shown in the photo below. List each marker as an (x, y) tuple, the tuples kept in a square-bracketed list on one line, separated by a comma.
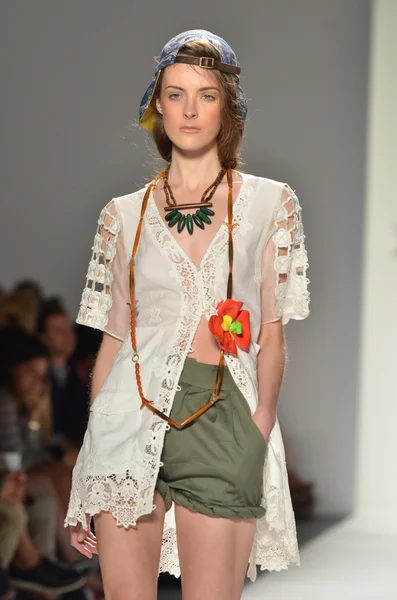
[(215, 464)]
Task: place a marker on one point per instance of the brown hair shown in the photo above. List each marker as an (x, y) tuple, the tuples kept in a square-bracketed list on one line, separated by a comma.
[(232, 128)]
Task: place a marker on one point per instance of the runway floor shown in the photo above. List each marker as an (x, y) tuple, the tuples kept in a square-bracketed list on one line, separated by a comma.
[(350, 561), (341, 559)]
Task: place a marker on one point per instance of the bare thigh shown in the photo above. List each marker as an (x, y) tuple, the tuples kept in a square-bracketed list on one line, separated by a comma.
[(213, 554), (130, 558)]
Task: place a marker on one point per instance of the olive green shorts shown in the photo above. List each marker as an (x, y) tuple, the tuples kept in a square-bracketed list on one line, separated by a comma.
[(215, 464)]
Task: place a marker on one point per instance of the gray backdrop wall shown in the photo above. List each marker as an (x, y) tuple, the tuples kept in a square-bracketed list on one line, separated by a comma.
[(73, 74)]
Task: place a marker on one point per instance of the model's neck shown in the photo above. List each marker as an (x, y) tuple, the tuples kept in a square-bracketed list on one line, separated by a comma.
[(191, 172)]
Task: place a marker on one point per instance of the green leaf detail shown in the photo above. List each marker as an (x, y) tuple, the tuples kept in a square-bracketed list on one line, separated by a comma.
[(181, 223), (171, 214), (174, 219), (189, 223), (207, 211), (198, 221), (203, 216)]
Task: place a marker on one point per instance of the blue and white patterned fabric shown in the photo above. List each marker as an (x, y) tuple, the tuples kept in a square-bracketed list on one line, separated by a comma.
[(167, 58)]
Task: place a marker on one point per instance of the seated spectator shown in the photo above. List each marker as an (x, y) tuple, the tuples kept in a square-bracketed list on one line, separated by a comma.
[(18, 555), (69, 393)]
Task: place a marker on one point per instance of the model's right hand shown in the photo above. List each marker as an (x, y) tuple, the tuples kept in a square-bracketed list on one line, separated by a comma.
[(84, 541)]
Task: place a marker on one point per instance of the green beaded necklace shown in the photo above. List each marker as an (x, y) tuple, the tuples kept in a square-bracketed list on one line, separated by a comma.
[(203, 211)]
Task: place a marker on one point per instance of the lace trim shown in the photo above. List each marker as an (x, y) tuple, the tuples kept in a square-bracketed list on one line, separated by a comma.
[(96, 298), (169, 562), (275, 544), (92, 494), (291, 261)]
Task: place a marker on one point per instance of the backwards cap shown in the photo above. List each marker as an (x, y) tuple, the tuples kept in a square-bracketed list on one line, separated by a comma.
[(168, 56)]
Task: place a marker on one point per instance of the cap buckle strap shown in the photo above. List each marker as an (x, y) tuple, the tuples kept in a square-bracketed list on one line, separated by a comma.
[(207, 62)]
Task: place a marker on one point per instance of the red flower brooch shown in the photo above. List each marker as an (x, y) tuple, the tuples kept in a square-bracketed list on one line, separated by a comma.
[(231, 326)]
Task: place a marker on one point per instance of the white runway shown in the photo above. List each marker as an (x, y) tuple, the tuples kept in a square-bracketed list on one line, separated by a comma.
[(350, 561)]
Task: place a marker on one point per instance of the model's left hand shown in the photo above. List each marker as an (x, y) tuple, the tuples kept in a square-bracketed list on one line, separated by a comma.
[(265, 421)]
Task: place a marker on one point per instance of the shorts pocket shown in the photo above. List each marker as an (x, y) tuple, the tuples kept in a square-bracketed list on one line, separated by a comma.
[(243, 407), (258, 431)]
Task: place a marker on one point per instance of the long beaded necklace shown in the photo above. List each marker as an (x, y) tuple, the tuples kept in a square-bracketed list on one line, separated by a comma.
[(203, 212)]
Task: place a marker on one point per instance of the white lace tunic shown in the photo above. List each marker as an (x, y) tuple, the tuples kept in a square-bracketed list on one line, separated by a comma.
[(118, 464)]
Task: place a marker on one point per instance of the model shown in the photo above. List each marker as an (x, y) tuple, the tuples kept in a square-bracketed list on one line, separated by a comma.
[(192, 279)]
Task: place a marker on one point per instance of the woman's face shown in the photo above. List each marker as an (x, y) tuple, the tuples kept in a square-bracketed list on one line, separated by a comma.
[(30, 378), (190, 97)]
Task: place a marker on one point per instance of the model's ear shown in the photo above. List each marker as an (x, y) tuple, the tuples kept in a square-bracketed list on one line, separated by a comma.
[(158, 106)]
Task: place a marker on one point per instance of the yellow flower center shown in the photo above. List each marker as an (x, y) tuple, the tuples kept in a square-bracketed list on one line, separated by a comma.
[(227, 321)]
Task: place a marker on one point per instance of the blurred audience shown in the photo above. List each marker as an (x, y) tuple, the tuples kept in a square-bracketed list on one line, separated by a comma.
[(45, 370)]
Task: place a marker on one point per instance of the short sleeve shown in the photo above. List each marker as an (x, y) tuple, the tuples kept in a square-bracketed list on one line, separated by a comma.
[(106, 294), (284, 285)]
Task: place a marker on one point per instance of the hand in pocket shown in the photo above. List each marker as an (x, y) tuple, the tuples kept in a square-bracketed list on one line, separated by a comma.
[(264, 421)]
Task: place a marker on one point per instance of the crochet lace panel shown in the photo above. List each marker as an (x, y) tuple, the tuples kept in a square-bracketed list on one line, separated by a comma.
[(96, 299), (290, 261)]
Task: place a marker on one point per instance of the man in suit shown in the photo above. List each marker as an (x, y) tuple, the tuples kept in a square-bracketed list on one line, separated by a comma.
[(69, 391)]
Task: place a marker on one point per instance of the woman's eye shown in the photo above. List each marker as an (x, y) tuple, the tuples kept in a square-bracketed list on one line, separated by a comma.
[(206, 96)]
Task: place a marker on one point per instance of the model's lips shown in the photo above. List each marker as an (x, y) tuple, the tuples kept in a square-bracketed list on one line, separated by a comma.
[(189, 129)]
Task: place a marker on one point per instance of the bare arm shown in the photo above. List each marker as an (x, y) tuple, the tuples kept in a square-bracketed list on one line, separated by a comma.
[(271, 364), (284, 296), (104, 361)]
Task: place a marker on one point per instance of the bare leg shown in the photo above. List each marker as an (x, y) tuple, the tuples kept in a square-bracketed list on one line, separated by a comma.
[(130, 558), (213, 554)]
